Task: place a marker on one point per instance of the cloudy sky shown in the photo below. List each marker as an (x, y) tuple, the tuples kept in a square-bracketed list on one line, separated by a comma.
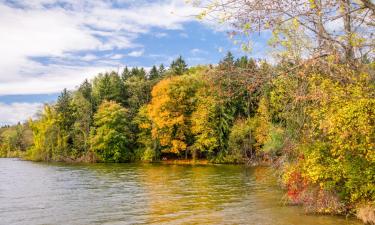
[(47, 45)]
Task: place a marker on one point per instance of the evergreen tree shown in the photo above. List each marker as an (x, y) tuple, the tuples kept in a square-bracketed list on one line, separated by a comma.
[(138, 72), (242, 62), (86, 90), (125, 74), (228, 60), (65, 110), (161, 69), (108, 87), (142, 73), (154, 73), (178, 66)]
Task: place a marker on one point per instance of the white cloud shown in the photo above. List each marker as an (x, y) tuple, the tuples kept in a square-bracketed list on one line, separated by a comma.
[(51, 79), (69, 32), (136, 53), (18, 112)]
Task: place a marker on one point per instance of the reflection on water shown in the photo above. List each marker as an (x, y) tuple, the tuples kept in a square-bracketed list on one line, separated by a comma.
[(41, 193)]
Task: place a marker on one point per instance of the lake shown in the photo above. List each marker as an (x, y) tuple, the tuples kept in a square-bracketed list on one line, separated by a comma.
[(57, 193)]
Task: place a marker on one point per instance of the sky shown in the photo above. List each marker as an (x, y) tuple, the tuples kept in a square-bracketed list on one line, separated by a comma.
[(49, 45)]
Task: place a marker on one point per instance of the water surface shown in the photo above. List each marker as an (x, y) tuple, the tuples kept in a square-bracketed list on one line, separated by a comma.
[(53, 193)]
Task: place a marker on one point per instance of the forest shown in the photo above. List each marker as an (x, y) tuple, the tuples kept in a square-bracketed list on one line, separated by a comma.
[(310, 113)]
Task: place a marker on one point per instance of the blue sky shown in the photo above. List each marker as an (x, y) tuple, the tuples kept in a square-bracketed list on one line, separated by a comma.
[(48, 45)]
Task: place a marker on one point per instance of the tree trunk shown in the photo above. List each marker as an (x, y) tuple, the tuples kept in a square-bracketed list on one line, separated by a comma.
[(322, 46), (349, 49)]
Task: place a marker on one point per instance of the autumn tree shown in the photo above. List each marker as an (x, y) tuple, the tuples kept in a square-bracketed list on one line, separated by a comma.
[(47, 141), (319, 19), (170, 111)]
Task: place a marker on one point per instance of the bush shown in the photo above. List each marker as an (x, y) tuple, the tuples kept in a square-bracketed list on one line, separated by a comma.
[(366, 213)]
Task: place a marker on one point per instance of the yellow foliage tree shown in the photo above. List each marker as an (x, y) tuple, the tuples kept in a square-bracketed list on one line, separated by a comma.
[(171, 107)]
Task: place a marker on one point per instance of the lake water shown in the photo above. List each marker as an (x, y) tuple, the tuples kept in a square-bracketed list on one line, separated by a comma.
[(54, 193)]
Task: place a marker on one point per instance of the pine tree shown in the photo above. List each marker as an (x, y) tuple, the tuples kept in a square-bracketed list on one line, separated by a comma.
[(154, 73), (161, 69), (179, 66), (86, 90), (228, 60), (125, 74)]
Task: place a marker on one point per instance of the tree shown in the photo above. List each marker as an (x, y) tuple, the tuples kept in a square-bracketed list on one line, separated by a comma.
[(66, 116), (110, 137), (241, 62), (154, 73), (139, 93), (15, 140), (161, 69), (241, 143), (178, 66), (138, 72), (228, 60), (82, 124), (65, 110), (315, 18), (86, 90), (110, 87), (47, 141), (173, 101), (125, 74), (340, 152), (205, 123), (148, 147)]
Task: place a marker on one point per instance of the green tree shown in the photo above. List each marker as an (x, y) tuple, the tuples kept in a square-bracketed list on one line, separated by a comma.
[(65, 110), (138, 72), (82, 124), (148, 147), (161, 69), (178, 66), (228, 60), (125, 74), (154, 73), (110, 87), (86, 90), (139, 93), (110, 137)]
